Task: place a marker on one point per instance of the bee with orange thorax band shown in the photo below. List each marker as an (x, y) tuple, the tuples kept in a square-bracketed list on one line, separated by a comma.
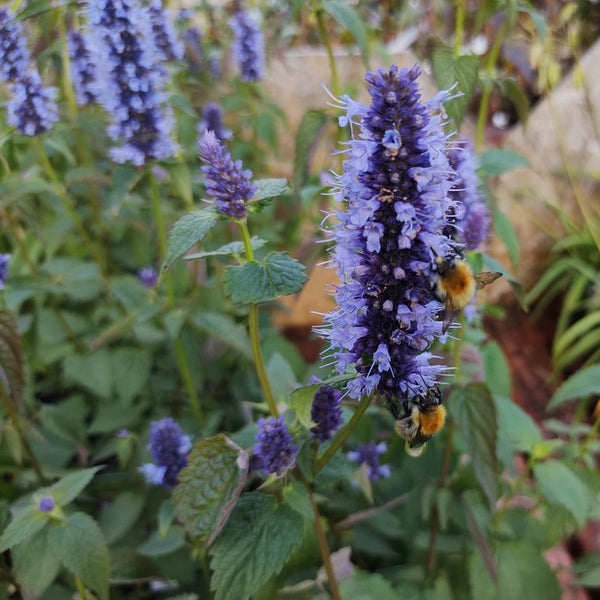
[(456, 284), (420, 417)]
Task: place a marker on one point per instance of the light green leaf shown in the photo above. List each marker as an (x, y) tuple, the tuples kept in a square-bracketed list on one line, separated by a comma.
[(281, 376), (269, 188), (475, 413), (224, 328), (580, 385), (258, 539), (495, 368), (12, 374), (506, 232), (131, 371), (500, 160), (24, 525), (187, 232), (65, 490), (302, 400), (159, 545), (296, 497), (211, 484), (367, 586), (93, 372), (347, 17), (311, 124), (515, 426), (79, 543), (120, 515), (231, 249)]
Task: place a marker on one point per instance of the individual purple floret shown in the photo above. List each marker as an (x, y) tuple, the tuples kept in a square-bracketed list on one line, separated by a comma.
[(32, 109), (14, 54), (212, 120), (130, 80), (369, 454), (46, 504), (226, 182), (472, 217), (274, 446), (169, 448), (248, 46), (326, 412), (83, 68), (165, 36), (148, 276), (395, 194), (4, 261)]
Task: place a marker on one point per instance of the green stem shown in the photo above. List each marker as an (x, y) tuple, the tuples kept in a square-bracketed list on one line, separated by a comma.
[(340, 438), (253, 325), (459, 26), (324, 548), (335, 80), (15, 418)]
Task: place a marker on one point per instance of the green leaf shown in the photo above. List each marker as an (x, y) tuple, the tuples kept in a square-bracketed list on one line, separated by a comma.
[(187, 232), (475, 413), (500, 160), (580, 385), (449, 70), (231, 249), (349, 19), (281, 376), (79, 543), (211, 484), (120, 515), (560, 485), (35, 566), (79, 280), (224, 328), (93, 372), (12, 373), (158, 544), (256, 282), (495, 368), (269, 188), (366, 586), (65, 490), (311, 124), (506, 232), (302, 400), (24, 525), (131, 371), (182, 181), (515, 426), (258, 539), (296, 497)]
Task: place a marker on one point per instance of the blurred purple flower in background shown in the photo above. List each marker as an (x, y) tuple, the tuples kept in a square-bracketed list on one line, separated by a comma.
[(4, 262), (326, 412), (165, 36), (212, 120), (369, 454), (82, 68), (46, 504), (148, 276), (248, 46), (14, 54)]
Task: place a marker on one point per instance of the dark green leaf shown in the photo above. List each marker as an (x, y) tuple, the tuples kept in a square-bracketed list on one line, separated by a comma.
[(224, 328), (24, 525), (296, 497), (35, 566), (12, 374), (367, 586), (580, 385), (475, 413), (65, 490), (79, 543), (269, 188), (79, 280), (256, 282), (347, 17), (211, 484), (187, 232), (306, 135), (131, 371), (560, 485), (302, 400), (449, 70), (281, 376), (500, 160), (231, 249), (93, 372), (120, 515), (158, 544), (258, 539)]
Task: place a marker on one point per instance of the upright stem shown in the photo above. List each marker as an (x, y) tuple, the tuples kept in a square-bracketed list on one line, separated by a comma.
[(459, 26), (259, 361), (324, 548), (335, 80)]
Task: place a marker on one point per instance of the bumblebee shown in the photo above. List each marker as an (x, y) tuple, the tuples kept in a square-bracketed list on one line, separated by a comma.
[(422, 417), (456, 285)]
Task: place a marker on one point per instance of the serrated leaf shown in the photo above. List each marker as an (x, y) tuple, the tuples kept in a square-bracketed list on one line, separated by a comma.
[(24, 525), (93, 372), (458, 71), (475, 413), (278, 275), (258, 539), (131, 370), (311, 124), (301, 402), (12, 374), (120, 515), (296, 497), (347, 17), (515, 426), (79, 543), (159, 545), (211, 484), (231, 249), (224, 328), (580, 385), (35, 566), (65, 490), (187, 232), (500, 160), (560, 485), (269, 188)]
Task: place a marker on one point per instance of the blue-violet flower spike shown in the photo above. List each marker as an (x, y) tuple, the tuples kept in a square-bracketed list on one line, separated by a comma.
[(14, 54), (326, 412), (225, 181), (274, 446), (248, 46), (369, 454), (83, 68), (4, 261), (165, 36), (212, 120), (395, 189)]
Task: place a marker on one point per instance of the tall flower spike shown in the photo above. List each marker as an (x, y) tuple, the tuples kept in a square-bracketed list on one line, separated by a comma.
[(274, 446), (169, 448), (165, 36), (326, 412), (82, 68), (225, 182), (248, 46), (130, 81), (473, 216), (32, 109), (212, 120), (14, 54), (4, 261), (394, 187)]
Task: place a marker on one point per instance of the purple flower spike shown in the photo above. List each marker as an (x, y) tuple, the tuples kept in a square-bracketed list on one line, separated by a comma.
[(225, 182), (274, 446), (165, 36), (14, 54), (83, 68), (4, 262), (148, 276), (326, 412), (369, 454), (395, 192), (248, 46), (212, 120)]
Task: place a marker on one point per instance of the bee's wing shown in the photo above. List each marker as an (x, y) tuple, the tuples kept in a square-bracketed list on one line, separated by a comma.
[(485, 278)]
